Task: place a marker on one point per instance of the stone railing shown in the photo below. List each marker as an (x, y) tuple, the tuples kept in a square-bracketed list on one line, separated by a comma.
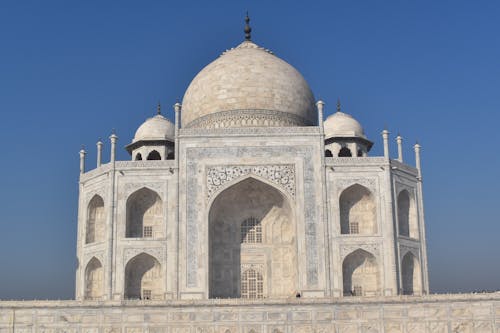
[(249, 131), (127, 165), (354, 161), (395, 164)]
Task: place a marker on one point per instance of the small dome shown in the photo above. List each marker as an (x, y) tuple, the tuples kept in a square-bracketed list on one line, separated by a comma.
[(341, 124), (155, 128), (248, 86)]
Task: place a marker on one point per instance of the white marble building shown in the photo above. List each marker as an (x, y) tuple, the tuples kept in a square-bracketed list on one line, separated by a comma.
[(250, 194)]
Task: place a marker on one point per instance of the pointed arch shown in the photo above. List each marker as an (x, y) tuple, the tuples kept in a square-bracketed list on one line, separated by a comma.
[(95, 220), (138, 157), (407, 217), (358, 213), (345, 152), (154, 155), (411, 275), (94, 280), (360, 274), (328, 153), (251, 222), (143, 278), (144, 214)]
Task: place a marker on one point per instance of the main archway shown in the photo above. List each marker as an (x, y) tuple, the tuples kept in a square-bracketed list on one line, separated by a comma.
[(252, 233)]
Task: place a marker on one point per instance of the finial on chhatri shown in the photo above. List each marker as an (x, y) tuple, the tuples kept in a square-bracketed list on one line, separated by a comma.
[(158, 108), (248, 30), (338, 105)]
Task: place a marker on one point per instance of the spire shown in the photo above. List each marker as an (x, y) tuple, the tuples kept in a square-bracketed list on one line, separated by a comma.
[(248, 30), (338, 105), (158, 108)]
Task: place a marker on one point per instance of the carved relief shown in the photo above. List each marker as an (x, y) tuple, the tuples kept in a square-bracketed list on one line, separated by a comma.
[(158, 187), (370, 183), (346, 249), (154, 252), (282, 175)]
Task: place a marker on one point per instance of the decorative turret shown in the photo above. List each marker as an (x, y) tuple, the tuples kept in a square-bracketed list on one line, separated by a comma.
[(154, 139), (344, 136)]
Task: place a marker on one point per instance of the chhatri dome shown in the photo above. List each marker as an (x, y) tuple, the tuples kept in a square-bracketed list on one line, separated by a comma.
[(248, 86), (341, 125), (155, 128)]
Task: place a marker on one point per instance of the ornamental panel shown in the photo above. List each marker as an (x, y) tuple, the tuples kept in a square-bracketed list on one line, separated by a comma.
[(282, 175)]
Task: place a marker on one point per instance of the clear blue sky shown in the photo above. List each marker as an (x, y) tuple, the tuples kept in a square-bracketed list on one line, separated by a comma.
[(71, 71)]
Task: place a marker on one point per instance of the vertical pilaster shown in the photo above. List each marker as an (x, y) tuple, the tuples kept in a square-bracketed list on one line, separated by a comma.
[(177, 110), (399, 141), (110, 267), (421, 222), (99, 153), (327, 237), (82, 160)]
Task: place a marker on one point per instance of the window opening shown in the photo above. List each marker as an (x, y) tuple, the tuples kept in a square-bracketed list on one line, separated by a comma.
[(251, 231), (148, 231)]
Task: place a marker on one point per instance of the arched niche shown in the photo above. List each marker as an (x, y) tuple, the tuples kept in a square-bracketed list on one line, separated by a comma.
[(251, 223), (411, 275), (143, 278), (360, 274), (345, 152), (358, 213), (328, 153), (154, 155), (144, 214), (95, 220), (407, 216), (94, 280), (138, 157)]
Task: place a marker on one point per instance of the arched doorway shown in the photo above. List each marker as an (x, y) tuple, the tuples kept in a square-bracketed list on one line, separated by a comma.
[(357, 211), (143, 278), (94, 280), (360, 274), (410, 275), (144, 215), (251, 241)]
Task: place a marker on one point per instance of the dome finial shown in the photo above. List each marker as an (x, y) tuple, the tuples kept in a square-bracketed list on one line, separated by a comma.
[(248, 30), (338, 105), (158, 108)]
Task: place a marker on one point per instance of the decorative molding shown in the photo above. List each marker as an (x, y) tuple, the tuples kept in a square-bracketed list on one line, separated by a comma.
[(158, 187), (99, 254), (249, 131), (248, 118), (348, 161), (257, 267), (282, 175), (156, 252), (145, 164), (343, 183), (95, 172), (404, 249), (404, 168), (373, 248)]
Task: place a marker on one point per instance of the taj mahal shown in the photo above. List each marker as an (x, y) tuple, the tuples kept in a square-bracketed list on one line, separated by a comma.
[(252, 213)]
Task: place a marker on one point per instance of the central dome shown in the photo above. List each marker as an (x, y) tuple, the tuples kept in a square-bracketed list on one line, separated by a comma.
[(248, 86)]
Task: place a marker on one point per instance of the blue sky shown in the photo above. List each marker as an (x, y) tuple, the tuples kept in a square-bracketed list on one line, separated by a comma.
[(72, 71)]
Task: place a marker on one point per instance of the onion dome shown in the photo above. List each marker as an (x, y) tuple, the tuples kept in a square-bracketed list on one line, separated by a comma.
[(248, 86)]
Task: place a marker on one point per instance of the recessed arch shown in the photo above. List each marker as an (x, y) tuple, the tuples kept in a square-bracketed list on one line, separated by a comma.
[(407, 216), (269, 217), (94, 280), (95, 220), (143, 278), (358, 213), (154, 155), (144, 214), (345, 152), (410, 274), (360, 274), (328, 153), (138, 157)]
